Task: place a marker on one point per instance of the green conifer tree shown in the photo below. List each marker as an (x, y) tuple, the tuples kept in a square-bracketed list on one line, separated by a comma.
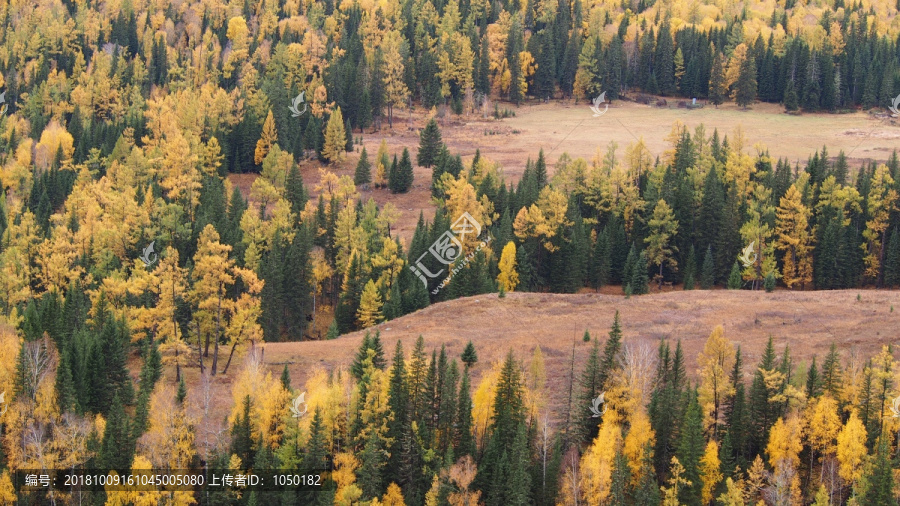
[(363, 174), (734, 279), (429, 144)]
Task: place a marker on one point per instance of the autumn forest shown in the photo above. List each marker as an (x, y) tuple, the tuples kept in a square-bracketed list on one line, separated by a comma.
[(183, 182)]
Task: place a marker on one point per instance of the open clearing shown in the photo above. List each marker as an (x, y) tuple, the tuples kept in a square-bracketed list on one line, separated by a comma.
[(809, 321), (563, 126)]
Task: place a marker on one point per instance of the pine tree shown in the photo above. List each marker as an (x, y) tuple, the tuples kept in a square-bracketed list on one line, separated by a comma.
[(589, 387), (708, 271), (463, 441), (469, 355), (745, 88), (640, 280), (181, 393), (429, 144), (690, 269), (690, 451), (334, 149), (373, 343), (717, 91), (363, 174), (880, 477), (611, 360), (117, 448), (831, 373), (735, 281), (892, 260), (400, 178)]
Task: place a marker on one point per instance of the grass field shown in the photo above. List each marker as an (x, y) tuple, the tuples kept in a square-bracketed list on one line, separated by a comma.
[(809, 321), (560, 127)]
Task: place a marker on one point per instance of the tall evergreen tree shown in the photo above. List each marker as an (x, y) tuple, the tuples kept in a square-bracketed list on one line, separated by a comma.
[(429, 144), (363, 173)]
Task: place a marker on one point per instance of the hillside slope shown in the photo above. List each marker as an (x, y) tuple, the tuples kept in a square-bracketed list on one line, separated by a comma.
[(808, 321)]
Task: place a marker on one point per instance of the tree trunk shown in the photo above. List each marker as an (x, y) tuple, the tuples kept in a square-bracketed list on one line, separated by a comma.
[(202, 368), (227, 363), (218, 329)]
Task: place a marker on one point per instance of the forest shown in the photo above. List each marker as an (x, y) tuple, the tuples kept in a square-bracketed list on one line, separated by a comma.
[(129, 256)]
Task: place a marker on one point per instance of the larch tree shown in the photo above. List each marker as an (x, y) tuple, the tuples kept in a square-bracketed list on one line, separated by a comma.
[(851, 449), (710, 471), (395, 90), (715, 363), (335, 138), (508, 278), (793, 238), (369, 312), (212, 277), (663, 227), (717, 90), (881, 201), (824, 424), (268, 139), (597, 463)]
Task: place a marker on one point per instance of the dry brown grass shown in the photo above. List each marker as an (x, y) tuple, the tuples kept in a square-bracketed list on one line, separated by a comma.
[(560, 127), (808, 321)]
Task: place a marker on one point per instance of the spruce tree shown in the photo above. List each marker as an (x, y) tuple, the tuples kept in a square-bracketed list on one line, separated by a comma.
[(640, 279), (717, 92), (831, 372), (611, 360), (762, 411), (745, 92), (621, 475), (363, 174), (735, 281), (400, 178), (892, 260), (708, 271), (880, 476), (469, 355), (463, 441), (117, 447), (589, 387), (690, 450), (429, 144), (690, 268)]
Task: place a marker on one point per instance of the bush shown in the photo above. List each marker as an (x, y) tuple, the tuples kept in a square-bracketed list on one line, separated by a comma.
[(769, 283)]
